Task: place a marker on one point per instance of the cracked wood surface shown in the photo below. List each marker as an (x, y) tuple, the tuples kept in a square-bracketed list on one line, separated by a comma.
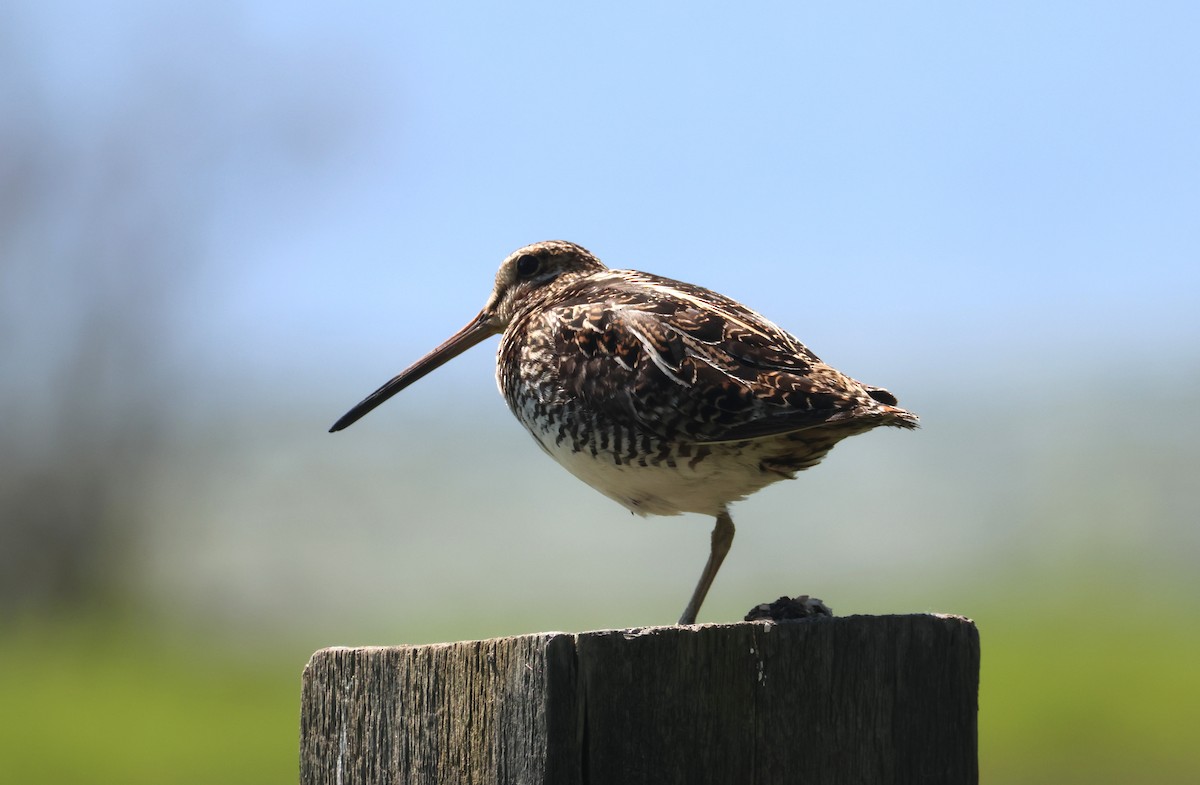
[(858, 699)]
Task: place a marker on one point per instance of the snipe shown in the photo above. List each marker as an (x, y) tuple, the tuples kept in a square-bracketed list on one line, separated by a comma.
[(662, 395)]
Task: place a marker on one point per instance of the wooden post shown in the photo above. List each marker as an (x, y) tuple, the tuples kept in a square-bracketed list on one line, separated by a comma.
[(859, 699)]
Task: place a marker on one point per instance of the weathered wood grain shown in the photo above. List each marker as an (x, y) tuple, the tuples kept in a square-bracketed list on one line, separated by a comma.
[(860, 699)]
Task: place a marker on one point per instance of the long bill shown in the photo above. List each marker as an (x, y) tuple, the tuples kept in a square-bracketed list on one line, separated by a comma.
[(477, 330)]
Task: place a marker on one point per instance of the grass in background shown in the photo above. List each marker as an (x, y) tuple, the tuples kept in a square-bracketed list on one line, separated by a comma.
[(1107, 692), (103, 700), (1093, 691)]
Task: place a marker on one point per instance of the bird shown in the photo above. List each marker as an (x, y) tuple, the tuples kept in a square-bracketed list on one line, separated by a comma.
[(664, 396)]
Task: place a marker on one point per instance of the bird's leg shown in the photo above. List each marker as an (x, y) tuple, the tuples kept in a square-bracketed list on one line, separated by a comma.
[(722, 538)]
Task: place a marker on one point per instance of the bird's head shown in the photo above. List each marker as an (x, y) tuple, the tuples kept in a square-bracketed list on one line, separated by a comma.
[(526, 278), (529, 275)]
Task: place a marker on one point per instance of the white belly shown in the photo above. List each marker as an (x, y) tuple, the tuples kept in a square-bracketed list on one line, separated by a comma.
[(685, 484)]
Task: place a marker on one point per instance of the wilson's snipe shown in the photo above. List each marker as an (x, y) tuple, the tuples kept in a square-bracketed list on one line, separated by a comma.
[(662, 395)]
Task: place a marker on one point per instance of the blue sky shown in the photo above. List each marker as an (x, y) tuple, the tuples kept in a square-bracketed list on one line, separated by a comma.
[(990, 210), (914, 190)]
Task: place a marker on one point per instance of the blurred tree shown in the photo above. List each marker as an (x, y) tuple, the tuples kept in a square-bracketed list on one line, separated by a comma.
[(106, 206)]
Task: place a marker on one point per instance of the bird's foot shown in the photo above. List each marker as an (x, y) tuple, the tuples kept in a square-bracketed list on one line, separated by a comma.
[(789, 609)]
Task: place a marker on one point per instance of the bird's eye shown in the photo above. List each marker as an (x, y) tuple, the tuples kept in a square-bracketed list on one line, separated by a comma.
[(528, 265)]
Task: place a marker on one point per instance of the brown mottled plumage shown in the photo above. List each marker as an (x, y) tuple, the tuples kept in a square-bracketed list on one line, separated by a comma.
[(665, 396)]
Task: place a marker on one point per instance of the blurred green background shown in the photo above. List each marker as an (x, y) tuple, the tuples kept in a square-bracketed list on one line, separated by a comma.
[(222, 225)]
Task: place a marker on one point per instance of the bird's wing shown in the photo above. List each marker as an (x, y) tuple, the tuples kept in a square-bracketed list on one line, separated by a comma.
[(686, 363)]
